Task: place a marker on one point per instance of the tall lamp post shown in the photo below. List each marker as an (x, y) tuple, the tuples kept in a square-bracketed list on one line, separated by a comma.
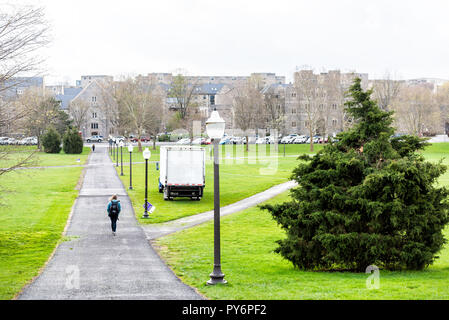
[(215, 126), (116, 155), (146, 156), (130, 149), (121, 157)]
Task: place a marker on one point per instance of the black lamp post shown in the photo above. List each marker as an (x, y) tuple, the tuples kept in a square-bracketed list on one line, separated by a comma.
[(215, 126), (121, 157), (146, 156), (116, 155), (130, 149)]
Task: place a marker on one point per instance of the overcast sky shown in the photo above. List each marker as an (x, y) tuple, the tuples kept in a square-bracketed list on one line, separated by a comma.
[(237, 37)]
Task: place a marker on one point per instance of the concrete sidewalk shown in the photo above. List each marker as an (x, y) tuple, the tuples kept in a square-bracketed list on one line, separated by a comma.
[(94, 264), (158, 230)]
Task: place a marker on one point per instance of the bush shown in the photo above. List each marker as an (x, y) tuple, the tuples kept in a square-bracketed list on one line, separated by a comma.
[(51, 141), (72, 142), (164, 138), (365, 199)]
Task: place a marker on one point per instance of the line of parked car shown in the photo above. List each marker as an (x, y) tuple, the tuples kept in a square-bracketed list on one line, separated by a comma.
[(28, 141), (297, 139)]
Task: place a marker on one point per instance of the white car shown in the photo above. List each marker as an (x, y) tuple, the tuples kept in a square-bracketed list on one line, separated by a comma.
[(299, 139), (289, 138), (183, 141), (197, 141)]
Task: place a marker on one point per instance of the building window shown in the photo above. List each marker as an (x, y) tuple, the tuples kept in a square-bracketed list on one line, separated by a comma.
[(334, 122), (294, 94), (94, 114), (294, 124), (94, 99), (212, 100), (294, 110), (94, 125), (334, 106)]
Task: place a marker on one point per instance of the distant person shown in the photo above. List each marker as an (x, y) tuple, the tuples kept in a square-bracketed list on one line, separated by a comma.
[(93, 147), (114, 209)]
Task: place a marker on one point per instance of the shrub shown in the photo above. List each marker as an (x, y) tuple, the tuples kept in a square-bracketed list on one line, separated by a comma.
[(72, 142), (51, 141), (365, 199)]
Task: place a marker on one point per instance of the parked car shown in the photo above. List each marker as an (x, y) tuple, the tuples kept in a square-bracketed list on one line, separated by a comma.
[(197, 141), (289, 138), (12, 141), (225, 140), (206, 141), (183, 141), (300, 139), (94, 139), (3, 140), (264, 140), (142, 139)]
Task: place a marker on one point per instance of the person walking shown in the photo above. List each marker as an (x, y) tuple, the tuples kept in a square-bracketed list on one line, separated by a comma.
[(93, 147), (114, 209)]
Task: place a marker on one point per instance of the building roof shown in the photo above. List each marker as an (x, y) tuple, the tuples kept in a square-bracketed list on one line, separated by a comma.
[(69, 94), (209, 88)]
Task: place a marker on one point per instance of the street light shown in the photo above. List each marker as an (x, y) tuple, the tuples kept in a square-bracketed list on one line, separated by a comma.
[(130, 149), (215, 126), (116, 156), (121, 157), (146, 156)]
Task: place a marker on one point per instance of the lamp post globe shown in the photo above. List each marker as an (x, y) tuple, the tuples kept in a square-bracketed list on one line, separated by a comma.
[(215, 127), (130, 149), (146, 156)]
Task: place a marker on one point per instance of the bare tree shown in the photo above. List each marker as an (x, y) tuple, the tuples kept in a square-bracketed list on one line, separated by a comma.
[(386, 90), (41, 111), (78, 111), (307, 89), (23, 30), (274, 109), (143, 107), (248, 105), (182, 95), (416, 111)]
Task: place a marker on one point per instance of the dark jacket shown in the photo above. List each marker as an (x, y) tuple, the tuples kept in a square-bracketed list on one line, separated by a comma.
[(119, 206)]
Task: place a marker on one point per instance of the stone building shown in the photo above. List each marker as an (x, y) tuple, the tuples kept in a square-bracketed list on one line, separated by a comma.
[(89, 93), (318, 98)]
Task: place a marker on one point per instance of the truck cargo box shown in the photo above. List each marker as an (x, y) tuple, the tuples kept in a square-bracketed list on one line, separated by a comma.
[(182, 172)]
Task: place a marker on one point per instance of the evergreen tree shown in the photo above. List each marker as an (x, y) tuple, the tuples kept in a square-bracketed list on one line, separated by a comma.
[(72, 142), (51, 141), (364, 199)]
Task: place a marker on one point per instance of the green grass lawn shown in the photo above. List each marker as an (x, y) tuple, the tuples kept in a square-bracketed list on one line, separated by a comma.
[(240, 177), (254, 271), (44, 159), (33, 213)]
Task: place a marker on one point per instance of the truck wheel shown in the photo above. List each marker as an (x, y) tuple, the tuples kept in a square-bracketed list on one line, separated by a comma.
[(161, 190)]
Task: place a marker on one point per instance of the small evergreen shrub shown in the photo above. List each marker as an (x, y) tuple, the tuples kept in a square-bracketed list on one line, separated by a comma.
[(365, 199), (72, 142), (51, 141)]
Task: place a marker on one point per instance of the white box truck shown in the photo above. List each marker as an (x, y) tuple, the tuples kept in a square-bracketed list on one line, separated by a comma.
[(182, 172)]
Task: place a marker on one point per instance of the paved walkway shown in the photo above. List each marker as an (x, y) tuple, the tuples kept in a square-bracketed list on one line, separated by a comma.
[(154, 231), (96, 265)]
